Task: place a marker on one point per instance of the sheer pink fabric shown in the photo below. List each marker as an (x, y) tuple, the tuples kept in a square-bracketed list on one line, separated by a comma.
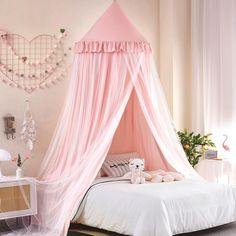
[(99, 92), (104, 86), (100, 89), (132, 135)]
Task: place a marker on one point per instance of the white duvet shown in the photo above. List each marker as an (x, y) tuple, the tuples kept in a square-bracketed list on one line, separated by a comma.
[(157, 209)]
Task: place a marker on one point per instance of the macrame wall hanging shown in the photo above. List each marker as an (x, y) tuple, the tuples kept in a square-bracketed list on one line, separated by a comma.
[(33, 64), (28, 131)]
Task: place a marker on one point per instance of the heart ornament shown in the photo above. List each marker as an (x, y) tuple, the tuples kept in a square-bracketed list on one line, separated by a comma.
[(33, 64)]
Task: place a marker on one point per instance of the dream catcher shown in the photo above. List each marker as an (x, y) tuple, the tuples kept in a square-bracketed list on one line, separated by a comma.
[(28, 132)]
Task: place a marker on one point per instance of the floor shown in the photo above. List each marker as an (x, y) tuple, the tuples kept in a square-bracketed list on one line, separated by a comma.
[(226, 230)]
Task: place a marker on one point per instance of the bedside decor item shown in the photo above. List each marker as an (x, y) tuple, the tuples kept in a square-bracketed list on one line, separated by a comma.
[(9, 126), (4, 156), (19, 172), (28, 132), (225, 146), (20, 162), (194, 145), (33, 64), (210, 154)]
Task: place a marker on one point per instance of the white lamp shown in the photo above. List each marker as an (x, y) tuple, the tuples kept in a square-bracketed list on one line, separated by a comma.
[(4, 156)]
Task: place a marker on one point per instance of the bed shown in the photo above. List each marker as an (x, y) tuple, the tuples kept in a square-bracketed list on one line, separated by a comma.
[(155, 209)]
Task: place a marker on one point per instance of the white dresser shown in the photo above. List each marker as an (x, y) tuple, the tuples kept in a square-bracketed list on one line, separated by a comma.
[(18, 197)]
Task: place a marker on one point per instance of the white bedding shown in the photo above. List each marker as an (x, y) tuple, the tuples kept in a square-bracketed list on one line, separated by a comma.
[(157, 209)]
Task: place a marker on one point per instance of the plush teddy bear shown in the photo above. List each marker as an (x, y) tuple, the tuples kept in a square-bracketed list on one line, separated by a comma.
[(163, 176), (136, 174)]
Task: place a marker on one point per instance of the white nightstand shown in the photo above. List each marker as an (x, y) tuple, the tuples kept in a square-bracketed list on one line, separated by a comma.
[(219, 171), (18, 197)]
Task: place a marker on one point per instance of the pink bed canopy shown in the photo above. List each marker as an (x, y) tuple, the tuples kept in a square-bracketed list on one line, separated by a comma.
[(115, 104)]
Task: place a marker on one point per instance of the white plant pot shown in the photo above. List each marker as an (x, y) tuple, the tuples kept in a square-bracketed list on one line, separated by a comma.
[(19, 172)]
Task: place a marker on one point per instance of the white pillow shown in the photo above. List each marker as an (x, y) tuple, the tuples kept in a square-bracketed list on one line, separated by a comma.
[(116, 168)]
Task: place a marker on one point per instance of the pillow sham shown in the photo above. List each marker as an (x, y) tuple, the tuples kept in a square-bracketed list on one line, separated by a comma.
[(116, 168)]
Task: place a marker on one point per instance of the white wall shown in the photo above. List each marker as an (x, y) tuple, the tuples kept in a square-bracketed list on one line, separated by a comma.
[(182, 65), (32, 17), (175, 59)]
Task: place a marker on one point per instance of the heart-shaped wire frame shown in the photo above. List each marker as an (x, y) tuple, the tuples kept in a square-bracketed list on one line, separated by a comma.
[(33, 64)]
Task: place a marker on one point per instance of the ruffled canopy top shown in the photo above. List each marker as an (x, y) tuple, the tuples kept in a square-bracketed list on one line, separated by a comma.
[(113, 32)]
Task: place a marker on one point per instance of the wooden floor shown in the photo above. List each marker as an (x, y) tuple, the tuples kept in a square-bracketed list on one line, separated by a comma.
[(92, 231), (225, 230)]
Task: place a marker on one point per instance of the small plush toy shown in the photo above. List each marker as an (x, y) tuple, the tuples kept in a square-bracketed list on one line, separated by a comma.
[(163, 176), (136, 174)]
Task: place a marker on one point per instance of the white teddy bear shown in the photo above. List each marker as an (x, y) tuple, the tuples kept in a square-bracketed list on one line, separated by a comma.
[(136, 174)]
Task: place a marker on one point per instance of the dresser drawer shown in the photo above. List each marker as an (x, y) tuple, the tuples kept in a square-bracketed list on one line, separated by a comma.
[(17, 198)]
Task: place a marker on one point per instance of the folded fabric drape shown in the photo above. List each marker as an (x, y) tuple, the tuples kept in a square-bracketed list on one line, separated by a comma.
[(98, 46)]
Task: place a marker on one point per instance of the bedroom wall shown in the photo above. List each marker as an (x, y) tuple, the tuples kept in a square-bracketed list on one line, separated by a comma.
[(31, 18), (182, 65), (175, 58)]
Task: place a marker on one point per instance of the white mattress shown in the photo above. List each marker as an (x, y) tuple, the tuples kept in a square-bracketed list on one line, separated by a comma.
[(155, 209)]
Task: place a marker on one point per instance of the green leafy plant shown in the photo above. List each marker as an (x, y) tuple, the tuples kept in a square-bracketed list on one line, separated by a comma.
[(194, 145)]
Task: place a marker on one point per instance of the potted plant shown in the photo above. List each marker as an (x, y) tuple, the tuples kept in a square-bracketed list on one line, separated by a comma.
[(194, 145)]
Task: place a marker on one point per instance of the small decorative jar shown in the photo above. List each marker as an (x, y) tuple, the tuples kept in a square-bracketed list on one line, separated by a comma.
[(20, 162), (19, 172)]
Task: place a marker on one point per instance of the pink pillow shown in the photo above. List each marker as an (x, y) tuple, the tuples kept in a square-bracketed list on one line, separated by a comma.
[(115, 168)]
